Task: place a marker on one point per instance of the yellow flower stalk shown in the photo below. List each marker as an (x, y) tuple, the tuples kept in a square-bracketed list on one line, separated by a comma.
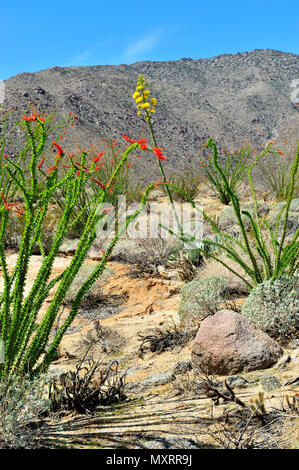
[(147, 109), (143, 102)]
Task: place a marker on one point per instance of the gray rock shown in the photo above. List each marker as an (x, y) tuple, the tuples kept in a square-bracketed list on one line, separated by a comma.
[(293, 218), (227, 218), (237, 381), (227, 343), (269, 382), (294, 344), (171, 442), (68, 247), (156, 380), (283, 361), (182, 367)]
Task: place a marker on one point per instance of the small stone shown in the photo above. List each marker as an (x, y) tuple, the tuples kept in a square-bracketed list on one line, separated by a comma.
[(269, 382), (294, 344), (155, 380), (281, 364), (171, 442), (182, 367), (68, 247), (237, 381)]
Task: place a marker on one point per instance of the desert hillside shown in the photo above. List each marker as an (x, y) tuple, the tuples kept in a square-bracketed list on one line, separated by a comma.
[(230, 98)]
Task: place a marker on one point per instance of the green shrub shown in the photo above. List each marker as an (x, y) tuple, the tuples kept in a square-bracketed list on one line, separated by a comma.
[(202, 297), (273, 306), (22, 402)]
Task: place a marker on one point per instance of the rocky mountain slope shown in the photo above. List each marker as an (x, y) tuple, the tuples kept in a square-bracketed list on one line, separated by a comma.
[(230, 97)]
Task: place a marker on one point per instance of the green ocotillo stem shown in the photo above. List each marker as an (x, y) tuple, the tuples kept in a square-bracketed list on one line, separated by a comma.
[(289, 200), (86, 286), (163, 173), (236, 207)]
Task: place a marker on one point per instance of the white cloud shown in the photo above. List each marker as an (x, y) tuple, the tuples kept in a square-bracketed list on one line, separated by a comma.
[(80, 59), (134, 51), (146, 43)]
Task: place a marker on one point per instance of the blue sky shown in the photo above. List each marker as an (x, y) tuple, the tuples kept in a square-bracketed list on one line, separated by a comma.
[(41, 34)]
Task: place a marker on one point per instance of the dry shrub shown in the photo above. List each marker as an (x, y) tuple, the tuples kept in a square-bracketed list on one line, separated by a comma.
[(158, 340), (109, 340), (95, 295), (250, 425), (92, 384), (185, 269), (150, 253)]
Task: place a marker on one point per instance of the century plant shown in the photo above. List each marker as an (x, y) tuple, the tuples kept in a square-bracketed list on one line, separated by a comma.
[(146, 107), (25, 333), (282, 258)]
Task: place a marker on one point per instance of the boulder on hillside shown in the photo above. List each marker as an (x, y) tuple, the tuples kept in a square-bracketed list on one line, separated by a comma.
[(227, 343), (227, 219), (293, 217)]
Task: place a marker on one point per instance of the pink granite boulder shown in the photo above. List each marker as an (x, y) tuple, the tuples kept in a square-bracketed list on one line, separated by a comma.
[(227, 343)]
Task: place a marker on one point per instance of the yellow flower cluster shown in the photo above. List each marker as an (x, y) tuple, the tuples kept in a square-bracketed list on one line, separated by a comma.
[(145, 105)]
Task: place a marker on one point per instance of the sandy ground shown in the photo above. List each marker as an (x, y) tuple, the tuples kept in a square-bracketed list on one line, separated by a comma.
[(157, 411)]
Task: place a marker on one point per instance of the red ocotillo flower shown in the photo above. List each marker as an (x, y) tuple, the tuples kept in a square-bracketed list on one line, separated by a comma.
[(132, 141), (96, 159), (60, 152), (51, 169), (158, 153), (41, 163), (11, 205)]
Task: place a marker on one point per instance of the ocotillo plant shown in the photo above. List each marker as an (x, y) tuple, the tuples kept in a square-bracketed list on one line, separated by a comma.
[(26, 336), (234, 166), (282, 259), (277, 173), (264, 263)]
